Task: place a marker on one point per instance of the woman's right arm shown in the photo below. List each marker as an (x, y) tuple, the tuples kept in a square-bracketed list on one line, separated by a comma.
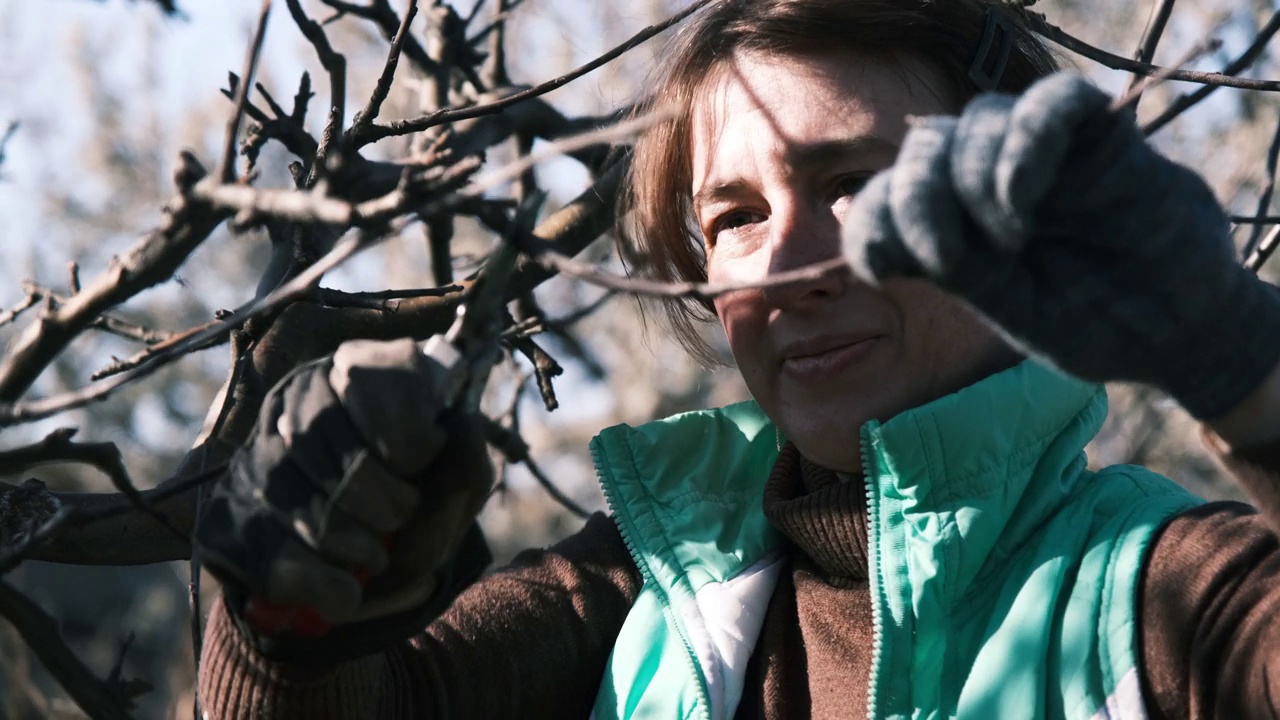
[(346, 525), (530, 640)]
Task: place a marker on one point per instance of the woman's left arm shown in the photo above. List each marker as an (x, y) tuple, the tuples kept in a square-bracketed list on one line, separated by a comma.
[(1052, 217)]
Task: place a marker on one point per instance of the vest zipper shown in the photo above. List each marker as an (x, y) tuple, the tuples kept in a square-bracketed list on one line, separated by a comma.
[(624, 529), (873, 568)]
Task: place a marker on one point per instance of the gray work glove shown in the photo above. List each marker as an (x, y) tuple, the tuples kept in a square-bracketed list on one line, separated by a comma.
[(347, 520), (1054, 219)]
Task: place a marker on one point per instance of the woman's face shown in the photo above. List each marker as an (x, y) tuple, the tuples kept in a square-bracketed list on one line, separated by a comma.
[(780, 145)]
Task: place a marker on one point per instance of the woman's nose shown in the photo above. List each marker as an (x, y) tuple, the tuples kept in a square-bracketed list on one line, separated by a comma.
[(802, 238)]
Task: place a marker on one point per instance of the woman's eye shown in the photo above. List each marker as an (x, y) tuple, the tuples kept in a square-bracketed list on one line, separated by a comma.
[(731, 221), (850, 185)]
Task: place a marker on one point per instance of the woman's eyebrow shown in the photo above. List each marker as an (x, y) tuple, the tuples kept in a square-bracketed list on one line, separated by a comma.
[(825, 151), (805, 155), (719, 191)]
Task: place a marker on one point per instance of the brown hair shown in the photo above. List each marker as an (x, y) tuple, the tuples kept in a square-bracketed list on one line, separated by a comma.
[(947, 34)]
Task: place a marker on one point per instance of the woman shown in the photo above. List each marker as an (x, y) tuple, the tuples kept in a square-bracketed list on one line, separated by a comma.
[(901, 523)]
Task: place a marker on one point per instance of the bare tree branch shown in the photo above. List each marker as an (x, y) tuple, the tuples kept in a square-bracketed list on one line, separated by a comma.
[(8, 134), (1116, 62), (1160, 12), (105, 322), (1264, 199), (335, 64), (653, 288), (113, 532), (150, 261), (515, 450), (40, 631), (1265, 249), (1236, 66), (369, 113), (384, 16), (227, 170), (439, 117), (1134, 93), (58, 447), (22, 306)]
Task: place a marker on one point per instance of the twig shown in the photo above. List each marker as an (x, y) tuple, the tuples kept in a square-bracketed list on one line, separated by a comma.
[(381, 14), (494, 25), (602, 136), (1242, 62), (545, 368), (6, 137), (15, 413), (105, 322), (287, 129), (108, 518), (1254, 219), (227, 171), (315, 207), (576, 316), (652, 288), (152, 260), (275, 107), (516, 450), (383, 301), (496, 63), (1116, 62), (25, 304), (1264, 200), (58, 447), (302, 98), (335, 64), (369, 113), (1134, 93), (119, 366), (41, 634), (439, 232), (1160, 12), (439, 117), (1264, 251), (11, 557), (18, 413)]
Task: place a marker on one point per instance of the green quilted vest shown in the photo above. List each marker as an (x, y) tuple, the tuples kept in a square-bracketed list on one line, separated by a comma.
[(1003, 572)]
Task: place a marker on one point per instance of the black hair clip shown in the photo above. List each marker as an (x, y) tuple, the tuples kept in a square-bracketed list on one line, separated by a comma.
[(993, 52)]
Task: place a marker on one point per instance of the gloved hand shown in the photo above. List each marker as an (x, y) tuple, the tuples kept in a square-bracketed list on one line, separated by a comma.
[(1051, 216), (352, 503)]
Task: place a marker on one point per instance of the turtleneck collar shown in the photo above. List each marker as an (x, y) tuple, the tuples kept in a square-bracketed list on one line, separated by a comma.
[(939, 457)]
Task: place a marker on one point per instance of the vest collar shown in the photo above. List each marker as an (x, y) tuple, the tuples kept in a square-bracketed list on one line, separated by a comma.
[(976, 472)]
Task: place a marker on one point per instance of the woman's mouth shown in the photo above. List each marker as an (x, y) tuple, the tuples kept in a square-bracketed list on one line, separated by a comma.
[(823, 362)]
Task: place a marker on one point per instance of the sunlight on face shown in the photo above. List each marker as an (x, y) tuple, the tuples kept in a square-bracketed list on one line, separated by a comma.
[(780, 145)]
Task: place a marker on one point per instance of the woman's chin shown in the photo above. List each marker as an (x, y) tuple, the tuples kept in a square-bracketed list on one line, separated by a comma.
[(832, 442)]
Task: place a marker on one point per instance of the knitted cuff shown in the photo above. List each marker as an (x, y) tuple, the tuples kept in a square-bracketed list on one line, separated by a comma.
[(355, 640)]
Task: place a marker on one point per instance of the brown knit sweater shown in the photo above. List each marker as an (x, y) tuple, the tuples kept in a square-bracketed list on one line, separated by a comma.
[(532, 640)]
